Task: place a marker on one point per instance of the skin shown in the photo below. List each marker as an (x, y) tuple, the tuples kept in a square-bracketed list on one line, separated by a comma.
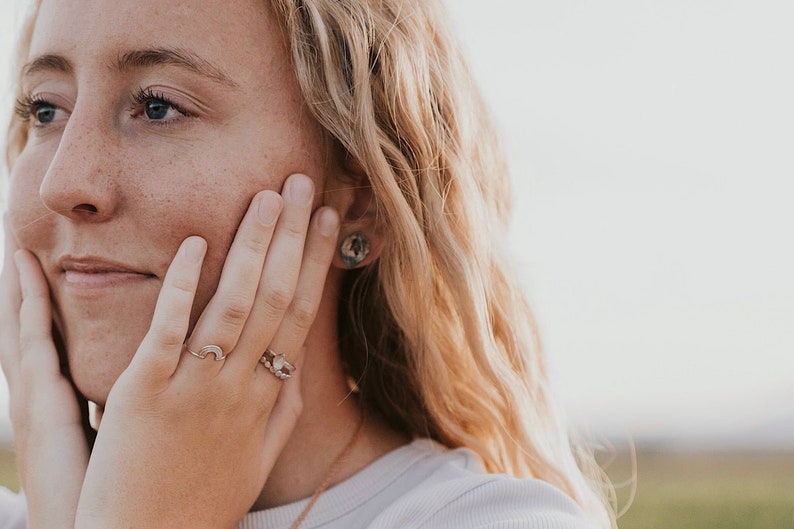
[(137, 223), (152, 185)]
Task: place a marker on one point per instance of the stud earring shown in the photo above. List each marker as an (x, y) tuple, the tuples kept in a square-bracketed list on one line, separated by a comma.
[(354, 249)]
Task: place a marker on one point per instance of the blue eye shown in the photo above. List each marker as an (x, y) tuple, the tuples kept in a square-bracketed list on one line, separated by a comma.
[(45, 113), (157, 110), (38, 111)]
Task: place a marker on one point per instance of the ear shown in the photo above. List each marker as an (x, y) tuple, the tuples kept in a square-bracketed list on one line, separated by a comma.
[(349, 191)]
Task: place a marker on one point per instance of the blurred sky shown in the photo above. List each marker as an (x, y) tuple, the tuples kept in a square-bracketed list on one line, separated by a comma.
[(651, 145)]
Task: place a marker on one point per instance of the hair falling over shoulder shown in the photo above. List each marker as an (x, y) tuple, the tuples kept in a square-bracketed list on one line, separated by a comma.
[(437, 333)]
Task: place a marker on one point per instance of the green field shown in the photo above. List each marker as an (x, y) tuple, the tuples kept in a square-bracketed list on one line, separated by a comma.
[(748, 490), (8, 473), (725, 490)]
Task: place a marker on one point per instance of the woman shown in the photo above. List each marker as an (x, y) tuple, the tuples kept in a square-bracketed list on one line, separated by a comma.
[(263, 347)]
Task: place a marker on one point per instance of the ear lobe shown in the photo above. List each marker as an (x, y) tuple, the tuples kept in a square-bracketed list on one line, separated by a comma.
[(354, 249), (360, 236)]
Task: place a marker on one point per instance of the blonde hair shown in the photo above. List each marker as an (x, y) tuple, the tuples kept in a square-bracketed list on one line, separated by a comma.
[(437, 333)]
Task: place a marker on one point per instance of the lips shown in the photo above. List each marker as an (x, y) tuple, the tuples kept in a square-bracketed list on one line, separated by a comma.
[(91, 272)]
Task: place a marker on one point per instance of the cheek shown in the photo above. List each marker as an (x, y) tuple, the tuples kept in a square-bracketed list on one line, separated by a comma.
[(202, 195), (216, 188), (162, 196)]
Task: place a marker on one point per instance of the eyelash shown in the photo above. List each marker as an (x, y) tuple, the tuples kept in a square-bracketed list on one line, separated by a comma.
[(146, 95), (26, 106)]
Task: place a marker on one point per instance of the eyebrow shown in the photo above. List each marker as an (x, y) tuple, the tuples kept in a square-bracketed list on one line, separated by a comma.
[(173, 57), (135, 59), (47, 62)]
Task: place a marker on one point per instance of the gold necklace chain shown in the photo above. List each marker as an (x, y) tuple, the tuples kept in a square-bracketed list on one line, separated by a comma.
[(335, 466)]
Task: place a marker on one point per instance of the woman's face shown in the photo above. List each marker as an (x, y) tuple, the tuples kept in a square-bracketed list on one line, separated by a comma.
[(150, 121)]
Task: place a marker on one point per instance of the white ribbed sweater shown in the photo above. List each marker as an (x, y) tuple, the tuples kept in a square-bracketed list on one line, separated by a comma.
[(421, 484), (426, 485)]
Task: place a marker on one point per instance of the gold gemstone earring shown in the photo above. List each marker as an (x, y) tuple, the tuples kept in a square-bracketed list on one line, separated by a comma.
[(354, 249)]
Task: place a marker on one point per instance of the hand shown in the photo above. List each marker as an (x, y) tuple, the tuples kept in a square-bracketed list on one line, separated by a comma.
[(51, 448), (189, 442)]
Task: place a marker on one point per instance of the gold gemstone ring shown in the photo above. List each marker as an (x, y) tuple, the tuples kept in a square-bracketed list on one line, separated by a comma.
[(277, 364)]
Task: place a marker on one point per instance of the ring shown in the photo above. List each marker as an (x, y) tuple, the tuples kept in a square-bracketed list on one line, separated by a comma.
[(277, 364), (207, 349)]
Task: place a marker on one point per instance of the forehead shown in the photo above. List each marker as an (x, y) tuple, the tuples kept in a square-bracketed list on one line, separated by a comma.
[(234, 34)]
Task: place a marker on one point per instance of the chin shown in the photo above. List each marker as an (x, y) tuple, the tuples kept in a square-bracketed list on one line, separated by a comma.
[(97, 355), (95, 371)]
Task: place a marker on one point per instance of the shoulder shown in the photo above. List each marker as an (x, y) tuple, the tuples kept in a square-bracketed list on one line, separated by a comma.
[(13, 512), (452, 491), (425, 485)]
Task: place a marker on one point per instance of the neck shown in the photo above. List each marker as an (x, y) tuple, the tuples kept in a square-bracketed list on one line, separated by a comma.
[(331, 417), (311, 459)]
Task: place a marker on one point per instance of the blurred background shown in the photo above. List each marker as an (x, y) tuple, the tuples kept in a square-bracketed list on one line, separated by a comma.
[(651, 148)]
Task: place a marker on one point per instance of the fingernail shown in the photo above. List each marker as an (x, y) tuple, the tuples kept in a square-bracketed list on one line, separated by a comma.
[(300, 189), (269, 208), (328, 221), (194, 248)]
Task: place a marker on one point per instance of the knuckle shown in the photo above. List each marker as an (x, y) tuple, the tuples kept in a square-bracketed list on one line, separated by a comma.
[(278, 299), (236, 310), (303, 312), (256, 244), (164, 330), (183, 284), (295, 229), (167, 339), (320, 257)]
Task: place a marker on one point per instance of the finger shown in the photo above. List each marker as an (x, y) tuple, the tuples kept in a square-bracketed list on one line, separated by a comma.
[(44, 387), (227, 312), (280, 273), (9, 276), (161, 348), (10, 301), (282, 420), (299, 317), (37, 355)]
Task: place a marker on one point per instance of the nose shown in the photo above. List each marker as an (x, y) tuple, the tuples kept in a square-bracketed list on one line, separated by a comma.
[(79, 183)]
